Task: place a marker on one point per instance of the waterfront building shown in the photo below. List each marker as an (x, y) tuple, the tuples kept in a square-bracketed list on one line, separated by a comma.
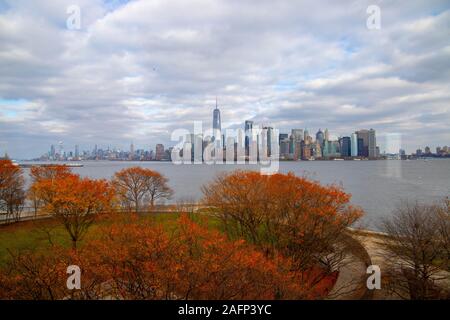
[(159, 152), (317, 150), (248, 135), (306, 135), (331, 149), (320, 137), (217, 125), (354, 145), (369, 146), (269, 134), (298, 150), (306, 151), (345, 146), (297, 136)]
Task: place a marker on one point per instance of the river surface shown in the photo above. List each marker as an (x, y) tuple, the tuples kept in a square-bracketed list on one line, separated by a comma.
[(377, 186)]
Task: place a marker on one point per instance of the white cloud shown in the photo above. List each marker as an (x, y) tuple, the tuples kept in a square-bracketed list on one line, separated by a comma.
[(137, 70)]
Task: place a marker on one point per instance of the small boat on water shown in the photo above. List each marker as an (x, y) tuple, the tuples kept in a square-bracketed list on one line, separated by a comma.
[(70, 165)]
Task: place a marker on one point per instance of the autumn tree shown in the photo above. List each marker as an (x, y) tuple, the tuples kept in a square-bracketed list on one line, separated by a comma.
[(283, 213), (12, 194), (41, 175), (417, 251), (75, 202), (138, 187)]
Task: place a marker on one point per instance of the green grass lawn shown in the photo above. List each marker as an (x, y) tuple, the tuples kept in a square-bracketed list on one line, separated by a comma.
[(34, 235)]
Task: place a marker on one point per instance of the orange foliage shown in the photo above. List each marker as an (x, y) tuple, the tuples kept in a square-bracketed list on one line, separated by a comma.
[(136, 260), (282, 212), (75, 201)]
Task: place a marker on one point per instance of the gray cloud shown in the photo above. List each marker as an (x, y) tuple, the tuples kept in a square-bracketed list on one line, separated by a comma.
[(137, 70)]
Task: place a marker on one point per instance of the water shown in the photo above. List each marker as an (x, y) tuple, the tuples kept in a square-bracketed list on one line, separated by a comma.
[(376, 186)]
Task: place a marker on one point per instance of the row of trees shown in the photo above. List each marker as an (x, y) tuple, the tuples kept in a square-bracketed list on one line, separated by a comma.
[(132, 259), (77, 201)]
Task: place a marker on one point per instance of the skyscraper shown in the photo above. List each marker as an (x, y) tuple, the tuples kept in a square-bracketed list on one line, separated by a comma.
[(364, 136), (52, 152), (269, 134), (372, 144), (320, 137), (248, 135), (354, 145), (306, 136), (159, 152), (369, 147), (217, 126), (345, 146), (295, 143)]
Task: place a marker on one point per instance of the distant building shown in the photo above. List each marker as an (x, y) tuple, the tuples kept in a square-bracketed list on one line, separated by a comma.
[(131, 156), (269, 134), (331, 149), (248, 135), (159, 152), (298, 150), (354, 145), (306, 152), (327, 135), (217, 125), (320, 137), (345, 146), (374, 152), (306, 136), (317, 150), (296, 139), (369, 145), (297, 134)]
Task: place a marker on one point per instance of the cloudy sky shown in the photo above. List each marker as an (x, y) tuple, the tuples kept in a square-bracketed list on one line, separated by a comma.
[(137, 70)]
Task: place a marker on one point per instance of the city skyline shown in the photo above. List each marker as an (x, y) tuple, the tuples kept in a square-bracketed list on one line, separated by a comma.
[(298, 145), (134, 71)]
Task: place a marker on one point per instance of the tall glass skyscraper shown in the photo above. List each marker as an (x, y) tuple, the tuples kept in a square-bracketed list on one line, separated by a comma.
[(320, 137), (369, 143), (354, 145), (216, 120), (345, 146), (217, 128), (248, 135)]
